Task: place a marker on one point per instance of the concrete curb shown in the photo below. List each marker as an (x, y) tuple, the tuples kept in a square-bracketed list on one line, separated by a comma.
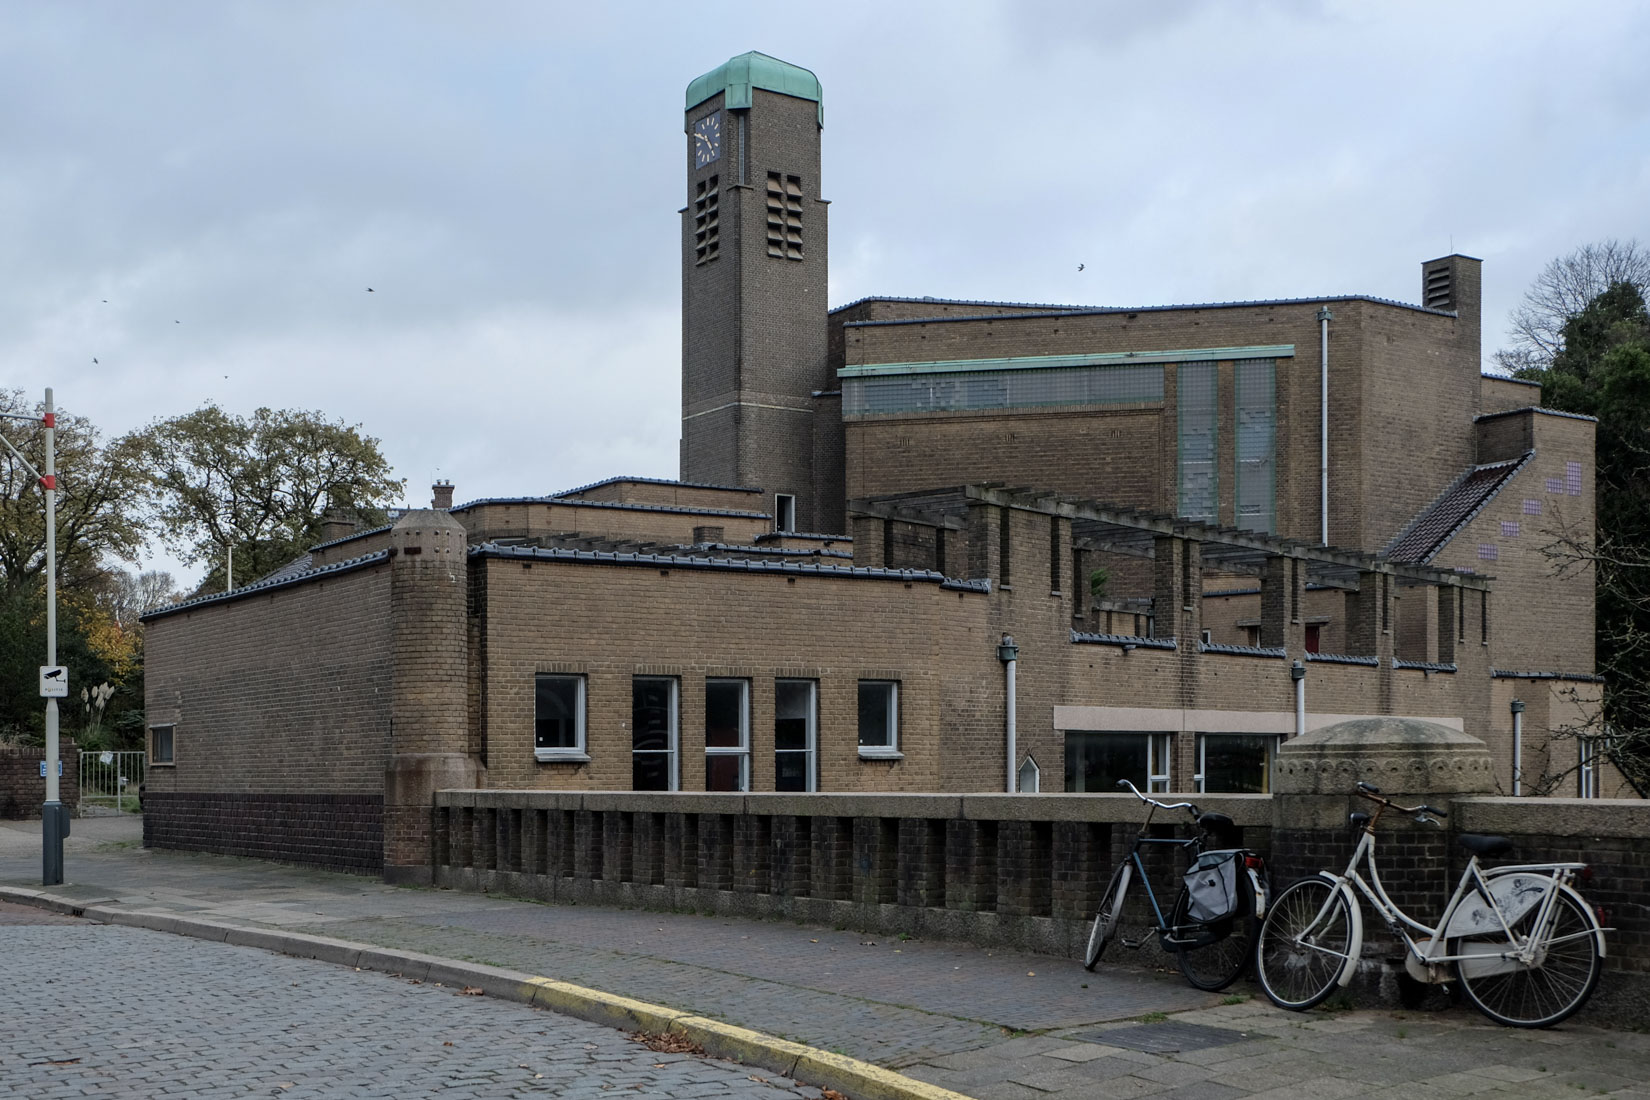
[(821, 1068)]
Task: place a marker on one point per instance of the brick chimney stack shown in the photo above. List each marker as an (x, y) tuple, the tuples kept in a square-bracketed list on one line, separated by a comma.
[(336, 523), (443, 494)]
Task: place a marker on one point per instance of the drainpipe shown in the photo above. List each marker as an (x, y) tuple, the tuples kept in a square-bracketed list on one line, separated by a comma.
[(1297, 673), (1518, 746), (1324, 317), (1009, 654)]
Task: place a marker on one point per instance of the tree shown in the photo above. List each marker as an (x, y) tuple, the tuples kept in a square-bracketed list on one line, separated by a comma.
[(98, 487), (1600, 366), (1561, 292), (259, 484)]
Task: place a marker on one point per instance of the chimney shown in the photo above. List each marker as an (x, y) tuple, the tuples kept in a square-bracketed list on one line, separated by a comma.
[(336, 523), (705, 536), (443, 494)]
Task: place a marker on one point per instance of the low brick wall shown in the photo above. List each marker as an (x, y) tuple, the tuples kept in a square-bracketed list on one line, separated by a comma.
[(23, 789), (991, 869), (340, 832)]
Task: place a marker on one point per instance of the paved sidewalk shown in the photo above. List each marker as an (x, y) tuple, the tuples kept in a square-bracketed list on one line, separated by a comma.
[(988, 1024)]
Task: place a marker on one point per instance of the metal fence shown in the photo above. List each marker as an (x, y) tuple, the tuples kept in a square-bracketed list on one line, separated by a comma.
[(111, 779)]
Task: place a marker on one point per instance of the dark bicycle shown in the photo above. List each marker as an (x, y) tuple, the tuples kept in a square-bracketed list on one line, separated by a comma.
[(1212, 927)]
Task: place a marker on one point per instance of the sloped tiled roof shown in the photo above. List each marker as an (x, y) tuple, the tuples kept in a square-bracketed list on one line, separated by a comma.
[(1454, 507)]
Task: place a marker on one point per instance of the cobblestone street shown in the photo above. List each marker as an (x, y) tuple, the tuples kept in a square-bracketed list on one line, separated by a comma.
[(106, 1011)]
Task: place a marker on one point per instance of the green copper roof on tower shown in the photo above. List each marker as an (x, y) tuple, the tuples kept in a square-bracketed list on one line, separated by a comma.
[(755, 70)]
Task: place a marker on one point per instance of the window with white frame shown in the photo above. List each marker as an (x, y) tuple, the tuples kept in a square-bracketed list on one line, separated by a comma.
[(1031, 777), (795, 734), (727, 735), (784, 512), (558, 717), (879, 718), (653, 733), (160, 744), (1587, 768), (1097, 759), (1235, 763)]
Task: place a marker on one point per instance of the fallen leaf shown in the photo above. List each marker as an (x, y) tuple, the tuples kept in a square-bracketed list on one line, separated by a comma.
[(472, 991), (56, 1062), (831, 1094), (754, 1077), (810, 941), (1031, 973), (447, 1044)]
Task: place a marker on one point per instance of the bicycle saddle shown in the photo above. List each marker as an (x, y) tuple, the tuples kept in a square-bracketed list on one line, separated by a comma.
[(1214, 822), (1485, 845)]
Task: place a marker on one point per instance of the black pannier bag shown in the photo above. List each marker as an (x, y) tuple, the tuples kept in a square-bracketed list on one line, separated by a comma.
[(1212, 883)]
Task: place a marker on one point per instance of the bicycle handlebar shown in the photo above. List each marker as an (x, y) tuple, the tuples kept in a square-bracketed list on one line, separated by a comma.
[(1373, 793), (1191, 806)]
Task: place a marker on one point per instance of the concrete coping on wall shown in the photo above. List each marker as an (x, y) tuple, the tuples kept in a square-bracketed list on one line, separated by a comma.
[(1573, 817), (1252, 810)]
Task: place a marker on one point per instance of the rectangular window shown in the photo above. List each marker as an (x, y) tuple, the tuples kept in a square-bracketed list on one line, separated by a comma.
[(1235, 763), (794, 734), (1195, 395), (160, 744), (879, 718), (784, 512), (785, 216), (558, 717), (653, 733), (961, 391), (1256, 411), (1314, 637), (1587, 771), (1096, 760), (727, 735)]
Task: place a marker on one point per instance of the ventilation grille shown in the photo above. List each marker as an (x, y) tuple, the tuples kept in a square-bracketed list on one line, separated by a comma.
[(785, 216), (707, 243), (1438, 291)]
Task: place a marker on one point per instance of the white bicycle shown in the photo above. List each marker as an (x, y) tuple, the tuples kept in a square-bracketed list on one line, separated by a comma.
[(1525, 946)]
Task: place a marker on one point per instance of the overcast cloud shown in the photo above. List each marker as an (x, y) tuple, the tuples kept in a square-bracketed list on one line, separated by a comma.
[(199, 194)]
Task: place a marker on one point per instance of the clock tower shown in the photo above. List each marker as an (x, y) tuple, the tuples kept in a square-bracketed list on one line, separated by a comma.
[(753, 284)]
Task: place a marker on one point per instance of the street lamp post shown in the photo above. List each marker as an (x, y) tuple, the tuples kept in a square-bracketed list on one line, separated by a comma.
[(54, 818)]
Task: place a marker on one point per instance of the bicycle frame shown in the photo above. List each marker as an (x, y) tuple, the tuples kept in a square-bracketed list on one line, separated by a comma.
[(1429, 951)]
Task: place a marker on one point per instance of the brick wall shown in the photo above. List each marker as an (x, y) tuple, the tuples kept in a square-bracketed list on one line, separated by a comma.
[(23, 788), (340, 832)]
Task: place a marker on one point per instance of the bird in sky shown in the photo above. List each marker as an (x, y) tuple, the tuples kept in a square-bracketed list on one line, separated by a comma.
[(1079, 267), (369, 290), (94, 358)]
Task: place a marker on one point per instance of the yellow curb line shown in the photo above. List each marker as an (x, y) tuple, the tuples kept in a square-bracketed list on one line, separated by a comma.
[(860, 1080)]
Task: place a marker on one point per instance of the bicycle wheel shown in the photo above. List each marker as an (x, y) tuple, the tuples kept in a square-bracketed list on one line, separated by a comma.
[(1305, 942), (1552, 989), (1213, 955), (1111, 911)]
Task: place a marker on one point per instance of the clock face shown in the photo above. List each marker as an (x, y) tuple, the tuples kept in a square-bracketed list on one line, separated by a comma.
[(707, 139)]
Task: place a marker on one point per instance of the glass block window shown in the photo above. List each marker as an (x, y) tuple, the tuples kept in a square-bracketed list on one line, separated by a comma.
[(1488, 551), (967, 391), (1532, 507), (1572, 478), (1555, 485), (784, 216), (1256, 415), (707, 232), (1198, 469), (1510, 528)]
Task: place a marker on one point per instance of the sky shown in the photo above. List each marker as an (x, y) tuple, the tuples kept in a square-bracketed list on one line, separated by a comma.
[(197, 194)]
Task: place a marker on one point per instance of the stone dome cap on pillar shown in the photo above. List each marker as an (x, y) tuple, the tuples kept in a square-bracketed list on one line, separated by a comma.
[(1408, 756)]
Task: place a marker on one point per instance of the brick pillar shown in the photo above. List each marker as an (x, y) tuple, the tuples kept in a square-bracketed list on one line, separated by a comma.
[(429, 687), (1282, 591), (1177, 605), (1369, 617), (867, 533), (985, 524), (1449, 622)]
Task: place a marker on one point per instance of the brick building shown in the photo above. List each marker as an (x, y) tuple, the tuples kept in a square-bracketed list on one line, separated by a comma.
[(1220, 506)]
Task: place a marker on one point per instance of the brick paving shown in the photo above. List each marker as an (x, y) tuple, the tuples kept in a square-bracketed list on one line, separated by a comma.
[(96, 1010), (994, 1025)]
